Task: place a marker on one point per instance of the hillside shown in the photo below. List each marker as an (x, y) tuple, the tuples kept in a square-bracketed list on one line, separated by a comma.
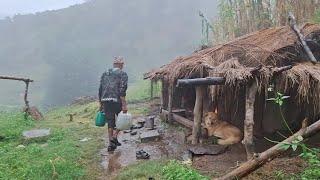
[(66, 50)]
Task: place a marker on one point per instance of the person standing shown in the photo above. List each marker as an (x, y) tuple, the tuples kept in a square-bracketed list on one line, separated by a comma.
[(112, 98)]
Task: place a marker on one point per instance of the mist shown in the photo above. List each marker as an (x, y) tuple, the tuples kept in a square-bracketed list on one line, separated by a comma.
[(65, 51)]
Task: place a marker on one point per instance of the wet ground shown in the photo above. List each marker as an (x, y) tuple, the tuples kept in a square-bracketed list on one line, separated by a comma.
[(170, 145)]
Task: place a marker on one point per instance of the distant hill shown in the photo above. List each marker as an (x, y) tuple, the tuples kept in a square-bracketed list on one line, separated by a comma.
[(66, 50)]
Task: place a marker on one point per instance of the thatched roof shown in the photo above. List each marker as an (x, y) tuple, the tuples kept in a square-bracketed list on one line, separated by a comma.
[(274, 47)]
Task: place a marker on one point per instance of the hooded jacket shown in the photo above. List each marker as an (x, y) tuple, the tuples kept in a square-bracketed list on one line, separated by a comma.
[(113, 85)]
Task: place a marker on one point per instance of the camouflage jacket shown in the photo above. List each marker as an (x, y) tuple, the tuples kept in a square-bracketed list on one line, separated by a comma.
[(113, 85)]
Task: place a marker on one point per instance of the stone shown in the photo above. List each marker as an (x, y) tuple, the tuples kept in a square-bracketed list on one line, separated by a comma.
[(20, 146), (37, 133), (85, 139), (207, 149), (147, 136)]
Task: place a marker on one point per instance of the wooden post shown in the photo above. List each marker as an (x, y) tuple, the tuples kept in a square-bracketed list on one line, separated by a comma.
[(170, 92), (249, 120), (198, 110), (26, 102), (151, 90), (293, 25), (270, 154)]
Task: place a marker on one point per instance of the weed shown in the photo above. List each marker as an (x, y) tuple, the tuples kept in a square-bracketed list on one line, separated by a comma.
[(177, 171)]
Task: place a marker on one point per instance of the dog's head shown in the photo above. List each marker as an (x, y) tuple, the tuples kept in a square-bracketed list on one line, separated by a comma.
[(210, 119)]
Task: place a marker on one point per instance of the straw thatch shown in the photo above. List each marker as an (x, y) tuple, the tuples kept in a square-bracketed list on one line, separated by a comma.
[(269, 48)]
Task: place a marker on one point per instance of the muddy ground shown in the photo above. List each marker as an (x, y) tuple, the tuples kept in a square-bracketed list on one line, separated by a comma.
[(172, 145)]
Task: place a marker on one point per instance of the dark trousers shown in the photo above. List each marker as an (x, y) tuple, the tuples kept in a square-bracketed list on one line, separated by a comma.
[(111, 109)]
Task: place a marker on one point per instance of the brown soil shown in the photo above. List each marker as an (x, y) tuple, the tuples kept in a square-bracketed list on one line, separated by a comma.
[(286, 166)]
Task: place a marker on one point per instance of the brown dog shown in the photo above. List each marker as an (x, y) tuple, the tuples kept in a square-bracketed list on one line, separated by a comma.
[(227, 133)]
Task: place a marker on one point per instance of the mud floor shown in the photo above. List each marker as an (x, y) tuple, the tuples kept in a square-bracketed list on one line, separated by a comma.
[(170, 145)]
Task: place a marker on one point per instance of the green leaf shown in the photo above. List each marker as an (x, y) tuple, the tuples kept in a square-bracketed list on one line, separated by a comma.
[(280, 103), (300, 138), (294, 147), (285, 146)]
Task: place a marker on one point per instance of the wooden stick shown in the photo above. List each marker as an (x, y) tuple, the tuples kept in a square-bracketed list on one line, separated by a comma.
[(198, 110), (249, 120), (279, 70), (16, 78), (270, 154), (293, 25)]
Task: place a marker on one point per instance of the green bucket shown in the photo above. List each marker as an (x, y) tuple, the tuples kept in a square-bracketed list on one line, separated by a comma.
[(100, 119)]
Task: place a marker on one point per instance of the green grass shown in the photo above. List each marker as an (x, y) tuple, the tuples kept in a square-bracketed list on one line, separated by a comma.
[(141, 91), (61, 156), (159, 169), (142, 170)]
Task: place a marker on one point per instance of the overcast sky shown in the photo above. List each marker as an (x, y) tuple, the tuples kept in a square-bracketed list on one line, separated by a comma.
[(12, 7)]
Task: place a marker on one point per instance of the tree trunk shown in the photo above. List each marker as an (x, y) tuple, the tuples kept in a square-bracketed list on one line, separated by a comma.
[(198, 110), (270, 154), (249, 120)]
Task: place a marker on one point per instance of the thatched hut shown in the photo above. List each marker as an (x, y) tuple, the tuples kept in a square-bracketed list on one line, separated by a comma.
[(247, 67)]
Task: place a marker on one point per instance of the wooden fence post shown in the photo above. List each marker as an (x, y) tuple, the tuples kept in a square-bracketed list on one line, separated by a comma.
[(151, 90), (198, 111), (170, 92), (251, 92)]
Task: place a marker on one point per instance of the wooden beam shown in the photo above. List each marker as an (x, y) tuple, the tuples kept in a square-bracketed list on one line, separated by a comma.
[(201, 81), (209, 80), (249, 120), (16, 78), (198, 111), (294, 27), (181, 120), (270, 154)]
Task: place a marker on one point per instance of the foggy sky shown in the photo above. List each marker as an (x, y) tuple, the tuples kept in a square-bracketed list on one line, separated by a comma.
[(12, 7), (77, 44)]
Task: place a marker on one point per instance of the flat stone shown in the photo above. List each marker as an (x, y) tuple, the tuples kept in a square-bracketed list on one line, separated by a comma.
[(148, 136), (37, 133), (200, 149)]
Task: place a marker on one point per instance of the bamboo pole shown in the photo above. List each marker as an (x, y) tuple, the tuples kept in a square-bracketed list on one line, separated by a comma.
[(271, 153), (198, 110), (249, 120)]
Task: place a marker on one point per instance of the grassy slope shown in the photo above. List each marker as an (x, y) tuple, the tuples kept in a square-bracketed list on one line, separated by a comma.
[(61, 156)]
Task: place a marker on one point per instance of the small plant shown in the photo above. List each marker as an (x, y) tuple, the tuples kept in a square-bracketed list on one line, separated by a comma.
[(279, 99), (177, 171), (310, 155)]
